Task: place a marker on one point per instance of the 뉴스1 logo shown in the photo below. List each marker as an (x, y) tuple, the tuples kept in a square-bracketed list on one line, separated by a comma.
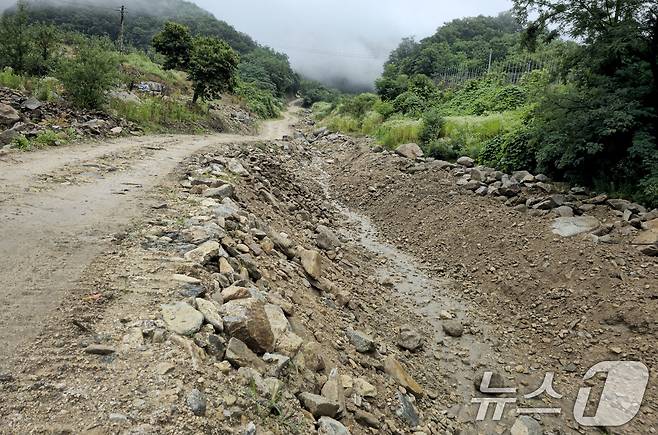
[(622, 396)]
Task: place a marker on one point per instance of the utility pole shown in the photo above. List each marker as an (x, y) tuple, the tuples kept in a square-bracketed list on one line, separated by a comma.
[(123, 16)]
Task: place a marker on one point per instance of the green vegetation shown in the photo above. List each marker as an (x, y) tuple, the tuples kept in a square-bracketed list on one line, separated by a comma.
[(587, 116), (156, 114), (144, 20), (89, 75), (44, 139)]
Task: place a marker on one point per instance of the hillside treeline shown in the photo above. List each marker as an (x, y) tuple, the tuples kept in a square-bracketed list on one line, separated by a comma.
[(570, 93)]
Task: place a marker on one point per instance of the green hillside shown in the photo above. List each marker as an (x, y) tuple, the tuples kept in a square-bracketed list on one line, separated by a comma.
[(143, 20)]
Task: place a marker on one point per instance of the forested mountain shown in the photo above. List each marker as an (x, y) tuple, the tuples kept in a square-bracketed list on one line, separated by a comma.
[(560, 87), (143, 19)]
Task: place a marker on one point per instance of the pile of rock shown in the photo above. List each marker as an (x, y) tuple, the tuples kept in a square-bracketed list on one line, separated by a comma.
[(231, 314), (572, 207), (232, 118), (27, 116)]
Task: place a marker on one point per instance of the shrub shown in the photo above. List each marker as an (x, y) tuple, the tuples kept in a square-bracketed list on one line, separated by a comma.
[(358, 105), (261, 102), (509, 152), (384, 108), (22, 143), (322, 109), (9, 79), (408, 103), (89, 75), (47, 89), (443, 149), (432, 125)]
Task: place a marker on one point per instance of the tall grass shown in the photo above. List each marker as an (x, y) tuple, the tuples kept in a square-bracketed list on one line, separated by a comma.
[(398, 131), (150, 70), (344, 123), (157, 114), (471, 132)]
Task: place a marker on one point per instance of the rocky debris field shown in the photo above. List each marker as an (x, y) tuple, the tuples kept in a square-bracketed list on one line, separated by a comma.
[(566, 277), (27, 116), (318, 284)]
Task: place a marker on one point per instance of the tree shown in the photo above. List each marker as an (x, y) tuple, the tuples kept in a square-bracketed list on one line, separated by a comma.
[(91, 73), (175, 43), (45, 38), (212, 67), (602, 126), (14, 34)]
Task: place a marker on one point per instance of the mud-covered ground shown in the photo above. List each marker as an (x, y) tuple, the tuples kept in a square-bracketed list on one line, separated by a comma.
[(370, 267)]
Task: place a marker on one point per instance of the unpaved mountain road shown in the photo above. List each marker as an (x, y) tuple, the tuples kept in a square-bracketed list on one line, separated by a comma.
[(60, 207)]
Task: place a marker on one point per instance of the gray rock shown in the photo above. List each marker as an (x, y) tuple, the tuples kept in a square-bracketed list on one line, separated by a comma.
[(247, 320), (409, 150), (409, 339), (453, 328), (526, 425), (31, 104), (326, 239), (10, 134), (466, 161), (564, 211), (182, 318), (204, 252), (571, 226), (221, 192), (8, 115), (197, 402), (227, 209), (210, 313), (362, 342), (329, 426), (319, 406), (366, 419), (334, 391), (238, 354), (407, 410)]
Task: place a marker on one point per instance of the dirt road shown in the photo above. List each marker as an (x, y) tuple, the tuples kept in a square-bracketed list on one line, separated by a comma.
[(59, 208)]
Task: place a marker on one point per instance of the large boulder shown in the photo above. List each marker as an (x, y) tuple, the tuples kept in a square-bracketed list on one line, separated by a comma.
[(466, 161), (204, 252), (571, 226), (311, 262), (409, 150), (326, 239), (182, 318), (8, 115), (246, 319)]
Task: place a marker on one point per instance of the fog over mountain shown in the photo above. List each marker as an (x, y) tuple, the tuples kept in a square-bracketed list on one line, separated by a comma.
[(343, 41), (339, 42)]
